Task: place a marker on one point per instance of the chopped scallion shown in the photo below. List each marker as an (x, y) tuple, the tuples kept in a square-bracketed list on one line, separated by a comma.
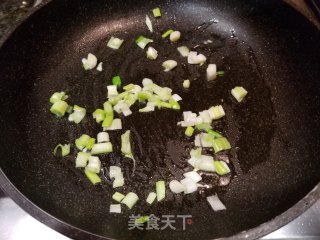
[(160, 190), (186, 84), (118, 196), (65, 149), (167, 33), (239, 93), (116, 80), (156, 12), (221, 144), (58, 96), (221, 167), (101, 148), (93, 177), (189, 131), (59, 108), (114, 43), (130, 199), (141, 220), (149, 23), (151, 197), (142, 42)]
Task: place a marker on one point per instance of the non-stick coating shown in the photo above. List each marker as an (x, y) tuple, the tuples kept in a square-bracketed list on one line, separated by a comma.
[(263, 46)]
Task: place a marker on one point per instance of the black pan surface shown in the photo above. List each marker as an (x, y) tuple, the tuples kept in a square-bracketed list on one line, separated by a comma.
[(264, 46)]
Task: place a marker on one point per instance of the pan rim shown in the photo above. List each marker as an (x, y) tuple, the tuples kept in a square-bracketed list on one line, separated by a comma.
[(72, 231)]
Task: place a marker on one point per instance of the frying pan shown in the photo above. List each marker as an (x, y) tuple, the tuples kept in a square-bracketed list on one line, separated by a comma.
[(264, 46)]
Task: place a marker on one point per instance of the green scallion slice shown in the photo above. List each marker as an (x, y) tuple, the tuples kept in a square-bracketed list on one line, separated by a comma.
[(214, 133), (116, 80), (160, 190), (239, 93), (189, 131), (221, 167), (59, 108), (141, 220), (221, 144), (156, 12), (118, 196), (58, 96), (167, 33), (65, 149), (142, 42), (93, 177)]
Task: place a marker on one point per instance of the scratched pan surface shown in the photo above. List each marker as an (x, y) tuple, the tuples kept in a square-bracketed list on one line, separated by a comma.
[(264, 46)]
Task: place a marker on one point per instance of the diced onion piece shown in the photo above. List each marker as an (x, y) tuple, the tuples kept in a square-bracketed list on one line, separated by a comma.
[(118, 196), (115, 208), (59, 108), (195, 58), (176, 187), (103, 137), (184, 51), (216, 112), (90, 62), (169, 65), (65, 149), (114, 171), (130, 199), (211, 72), (58, 96), (99, 67), (78, 114), (215, 203), (142, 42), (112, 91), (156, 12), (151, 197), (206, 163), (221, 167), (152, 53), (116, 125), (221, 144), (189, 131), (101, 148), (82, 159), (189, 184), (99, 115), (93, 177), (160, 190), (193, 175), (175, 36), (94, 164), (186, 83), (114, 43), (149, 23), (167, 33), (239, 93), (118, 182)]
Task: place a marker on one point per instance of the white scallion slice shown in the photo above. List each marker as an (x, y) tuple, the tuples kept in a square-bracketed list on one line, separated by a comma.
[(146, 82), (160, 190), (114, 43), (239, 93), (112, 91), (176, 187), (175, 36), (94, 164), (215, 203), (115, 208), (78, 114), (130, 199), (195, 58), (184, 51), (125, 144), (149, 23), (99, 67), (186, 84), (103, 137), (205, 116), (193, 175), (82, 159), (169, 65), (152, 53), (114, 171), (101, 148), (118, 182), (90, 62), (176, 97), (211, 72), (189, 184), (151, 197), (206, 163)]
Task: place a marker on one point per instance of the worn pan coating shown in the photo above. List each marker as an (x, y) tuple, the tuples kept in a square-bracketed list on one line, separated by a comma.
[(264, 46)]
